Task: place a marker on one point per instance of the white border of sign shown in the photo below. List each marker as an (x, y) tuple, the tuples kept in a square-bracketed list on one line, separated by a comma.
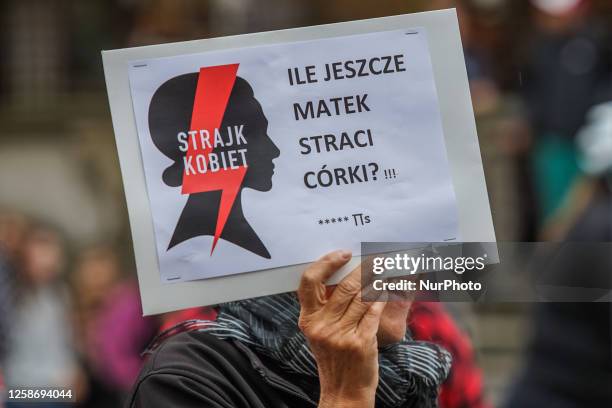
[(475, 221)]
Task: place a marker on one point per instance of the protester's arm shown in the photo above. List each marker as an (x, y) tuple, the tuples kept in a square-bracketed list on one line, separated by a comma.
[(341, 331)]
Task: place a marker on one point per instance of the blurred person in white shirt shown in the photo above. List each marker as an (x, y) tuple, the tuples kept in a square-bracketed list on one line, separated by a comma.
[(39, 350)]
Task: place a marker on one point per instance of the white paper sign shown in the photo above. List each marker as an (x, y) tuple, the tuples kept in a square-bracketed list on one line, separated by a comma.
[(269, 156), (246, 157)]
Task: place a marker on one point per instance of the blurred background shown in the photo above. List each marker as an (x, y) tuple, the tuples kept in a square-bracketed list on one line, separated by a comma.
[(541, 80)]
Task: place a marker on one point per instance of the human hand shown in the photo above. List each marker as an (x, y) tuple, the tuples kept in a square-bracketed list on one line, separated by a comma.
[(341, 331)]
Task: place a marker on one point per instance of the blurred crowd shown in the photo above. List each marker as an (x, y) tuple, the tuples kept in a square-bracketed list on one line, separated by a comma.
[(540, 74), (71, 320), (79, 327)]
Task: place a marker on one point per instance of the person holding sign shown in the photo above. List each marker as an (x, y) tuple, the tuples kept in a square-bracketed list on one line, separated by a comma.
[(324, 348)]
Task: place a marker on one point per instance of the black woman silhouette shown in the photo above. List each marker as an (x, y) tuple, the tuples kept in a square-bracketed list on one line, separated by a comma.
[(170, 113)]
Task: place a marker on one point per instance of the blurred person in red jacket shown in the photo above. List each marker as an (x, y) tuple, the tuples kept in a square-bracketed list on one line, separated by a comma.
[(429, 321)]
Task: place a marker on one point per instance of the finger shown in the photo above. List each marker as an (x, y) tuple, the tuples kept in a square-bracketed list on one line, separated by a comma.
[(355, 311), (311, 291), (360, 305), (368, 326), (344, 292)]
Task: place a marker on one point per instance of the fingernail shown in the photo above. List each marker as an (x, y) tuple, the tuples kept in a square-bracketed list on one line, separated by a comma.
[(345, 254)]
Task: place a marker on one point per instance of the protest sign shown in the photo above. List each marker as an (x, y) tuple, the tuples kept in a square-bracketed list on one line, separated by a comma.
[(246, 157)]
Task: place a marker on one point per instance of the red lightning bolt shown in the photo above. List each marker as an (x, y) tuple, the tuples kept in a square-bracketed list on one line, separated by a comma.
[(212, 94)]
